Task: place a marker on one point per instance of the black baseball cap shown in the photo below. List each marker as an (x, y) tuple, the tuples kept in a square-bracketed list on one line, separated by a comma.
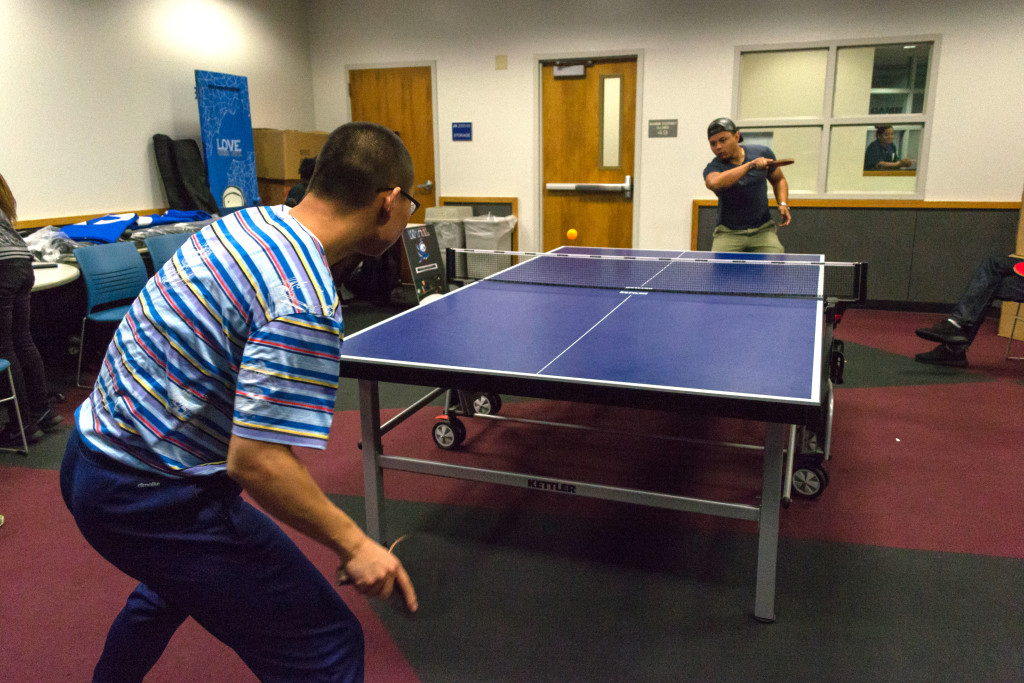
[(719, 125)]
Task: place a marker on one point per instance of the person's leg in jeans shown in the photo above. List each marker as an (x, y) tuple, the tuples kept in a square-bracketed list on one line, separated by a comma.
[(16, 344), (10, 282), (992, 279), (138, 637), (982, 289), (32, 370), (199, 549)]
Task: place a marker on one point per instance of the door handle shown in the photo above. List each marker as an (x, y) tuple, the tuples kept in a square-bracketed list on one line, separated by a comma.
[(427, 186), (625, 186)]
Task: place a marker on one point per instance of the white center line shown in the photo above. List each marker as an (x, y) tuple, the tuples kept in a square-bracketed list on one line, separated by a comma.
[(584, 334), (566, 349)]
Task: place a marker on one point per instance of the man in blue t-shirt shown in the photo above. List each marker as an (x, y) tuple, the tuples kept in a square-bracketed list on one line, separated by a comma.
[(739, 175), (882, 155)]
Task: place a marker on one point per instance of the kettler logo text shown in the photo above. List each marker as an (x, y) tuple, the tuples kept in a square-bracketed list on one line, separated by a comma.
[(556, 486)]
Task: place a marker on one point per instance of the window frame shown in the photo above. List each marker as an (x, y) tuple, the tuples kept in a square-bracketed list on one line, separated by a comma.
[(827, 120)]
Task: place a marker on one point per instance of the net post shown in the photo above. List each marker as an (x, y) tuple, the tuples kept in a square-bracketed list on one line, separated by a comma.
[(862, 282)]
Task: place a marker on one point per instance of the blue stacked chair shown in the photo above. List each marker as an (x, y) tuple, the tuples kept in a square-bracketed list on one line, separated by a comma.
[(114, 274), (162, 247)]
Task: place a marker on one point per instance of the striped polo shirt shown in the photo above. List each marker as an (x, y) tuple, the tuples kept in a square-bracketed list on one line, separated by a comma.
[(239, 333)]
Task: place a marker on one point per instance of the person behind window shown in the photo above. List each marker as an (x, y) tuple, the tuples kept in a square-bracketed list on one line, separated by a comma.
[(16, 343), (739, 175), (298, 191), (882, 155)]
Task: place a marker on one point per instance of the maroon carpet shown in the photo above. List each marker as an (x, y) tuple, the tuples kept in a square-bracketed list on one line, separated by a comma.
[(58, 598), (923, 467)]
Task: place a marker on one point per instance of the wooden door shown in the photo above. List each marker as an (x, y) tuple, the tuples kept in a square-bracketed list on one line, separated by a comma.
[(402, 100), (577, 151)]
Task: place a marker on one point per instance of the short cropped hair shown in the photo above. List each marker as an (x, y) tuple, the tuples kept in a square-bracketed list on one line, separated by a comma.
[(306, 167), (358, 160)]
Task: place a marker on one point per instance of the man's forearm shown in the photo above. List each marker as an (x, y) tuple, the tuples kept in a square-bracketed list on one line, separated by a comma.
[(725, 179), (781, 189), (283, 487)]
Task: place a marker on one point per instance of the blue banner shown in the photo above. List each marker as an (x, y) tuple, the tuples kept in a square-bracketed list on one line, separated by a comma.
[(227, 139)]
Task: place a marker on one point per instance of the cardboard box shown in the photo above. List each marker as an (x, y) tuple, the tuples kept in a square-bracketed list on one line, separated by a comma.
[(279, 152)]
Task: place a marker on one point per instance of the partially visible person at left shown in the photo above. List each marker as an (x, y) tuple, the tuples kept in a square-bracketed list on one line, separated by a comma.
[(739, 175), (881, 154), (16, 343), (228, 360)]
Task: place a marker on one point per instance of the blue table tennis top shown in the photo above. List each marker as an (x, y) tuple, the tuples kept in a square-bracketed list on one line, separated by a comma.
[(744, 347)]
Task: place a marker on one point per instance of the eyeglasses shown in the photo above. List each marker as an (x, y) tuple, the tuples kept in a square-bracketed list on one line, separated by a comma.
[(415, 205)]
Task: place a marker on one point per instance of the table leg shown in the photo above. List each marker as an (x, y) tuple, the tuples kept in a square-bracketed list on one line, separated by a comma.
[(768, 525), (373, 475)]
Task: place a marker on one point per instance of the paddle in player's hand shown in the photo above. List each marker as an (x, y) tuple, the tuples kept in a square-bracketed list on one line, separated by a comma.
[(423, 556), (775, 163), (1019, 268)]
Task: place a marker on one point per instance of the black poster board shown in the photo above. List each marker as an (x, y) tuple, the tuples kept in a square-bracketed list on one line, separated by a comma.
[(425, 264)]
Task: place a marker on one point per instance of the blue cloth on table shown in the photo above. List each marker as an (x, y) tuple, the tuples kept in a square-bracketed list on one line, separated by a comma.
[(173, 216), (109, 228), (104, 229)]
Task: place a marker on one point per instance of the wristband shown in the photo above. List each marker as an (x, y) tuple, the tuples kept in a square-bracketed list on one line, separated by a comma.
[(784, 204)]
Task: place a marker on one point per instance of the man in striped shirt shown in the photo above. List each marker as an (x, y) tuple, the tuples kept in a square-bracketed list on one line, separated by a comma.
[(226, 361)]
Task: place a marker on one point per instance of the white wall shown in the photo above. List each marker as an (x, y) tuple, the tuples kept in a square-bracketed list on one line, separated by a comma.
[(688, 52), (85, 84)]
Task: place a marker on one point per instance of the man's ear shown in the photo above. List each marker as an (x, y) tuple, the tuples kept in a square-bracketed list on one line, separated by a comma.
[(387, 207)]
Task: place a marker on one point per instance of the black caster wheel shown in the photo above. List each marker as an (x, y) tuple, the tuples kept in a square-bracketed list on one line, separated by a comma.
[(809, 479), (448, 432), (486, 404)]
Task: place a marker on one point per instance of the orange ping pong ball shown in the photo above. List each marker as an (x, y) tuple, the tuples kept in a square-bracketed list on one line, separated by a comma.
[(571, 234)]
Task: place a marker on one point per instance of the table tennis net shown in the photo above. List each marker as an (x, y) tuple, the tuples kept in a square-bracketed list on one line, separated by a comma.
[(687, 275)]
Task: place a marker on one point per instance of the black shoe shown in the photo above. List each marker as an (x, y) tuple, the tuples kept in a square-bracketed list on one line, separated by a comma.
[(944, 355), (10, 437), (49, 420), (943, 332)]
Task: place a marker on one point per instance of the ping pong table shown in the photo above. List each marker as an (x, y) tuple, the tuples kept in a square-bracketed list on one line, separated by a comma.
[(626, 331)]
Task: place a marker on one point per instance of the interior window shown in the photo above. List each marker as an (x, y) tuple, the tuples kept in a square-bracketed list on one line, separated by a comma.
[(861, 112)]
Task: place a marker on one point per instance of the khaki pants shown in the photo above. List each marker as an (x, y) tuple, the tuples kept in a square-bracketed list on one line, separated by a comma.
[(762, 239)]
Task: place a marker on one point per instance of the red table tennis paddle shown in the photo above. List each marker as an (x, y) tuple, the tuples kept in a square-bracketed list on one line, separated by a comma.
[(1019, 268), (775, 163)]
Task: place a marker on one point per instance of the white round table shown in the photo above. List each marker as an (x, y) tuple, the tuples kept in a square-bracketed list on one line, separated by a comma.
[(50, 277)]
